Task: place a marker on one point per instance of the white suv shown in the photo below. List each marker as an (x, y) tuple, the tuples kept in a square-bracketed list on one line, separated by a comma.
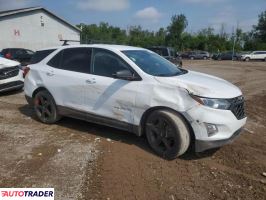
[(255, 55), (139, 91), (11, 77)]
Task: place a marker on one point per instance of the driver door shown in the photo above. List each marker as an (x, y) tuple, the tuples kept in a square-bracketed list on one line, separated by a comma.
[(105, 95)]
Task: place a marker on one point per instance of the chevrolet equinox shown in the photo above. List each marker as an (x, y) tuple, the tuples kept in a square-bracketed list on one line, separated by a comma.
[(136, 90)]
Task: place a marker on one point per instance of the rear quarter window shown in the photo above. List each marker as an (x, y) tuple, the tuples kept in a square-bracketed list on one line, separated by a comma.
[(40, 55)]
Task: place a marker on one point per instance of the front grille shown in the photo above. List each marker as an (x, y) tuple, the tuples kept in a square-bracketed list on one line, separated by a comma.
[(8, 72), (238, 107), (11, 85)]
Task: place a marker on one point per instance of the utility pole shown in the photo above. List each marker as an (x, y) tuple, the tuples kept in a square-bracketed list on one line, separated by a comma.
[(234, 43), (81, 28)]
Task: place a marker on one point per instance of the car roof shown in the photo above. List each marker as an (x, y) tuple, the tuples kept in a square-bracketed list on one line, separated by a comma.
[(104, 46)]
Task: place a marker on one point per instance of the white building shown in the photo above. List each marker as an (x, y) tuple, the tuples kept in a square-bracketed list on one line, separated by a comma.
[(34, 28)]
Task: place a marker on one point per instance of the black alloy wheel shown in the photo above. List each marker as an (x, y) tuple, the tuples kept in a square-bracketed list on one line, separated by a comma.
[(167, 134), (45, 107), (162, 134)]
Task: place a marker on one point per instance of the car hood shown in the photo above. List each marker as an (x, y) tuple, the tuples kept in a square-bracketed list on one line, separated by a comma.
[(203, 85), (4, 63)]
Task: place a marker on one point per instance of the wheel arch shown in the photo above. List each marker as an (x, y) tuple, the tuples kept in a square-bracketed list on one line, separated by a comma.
[(38, 90), (145, 115)]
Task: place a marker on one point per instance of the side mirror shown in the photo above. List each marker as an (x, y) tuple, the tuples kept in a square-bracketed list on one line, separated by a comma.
[(125, 75)]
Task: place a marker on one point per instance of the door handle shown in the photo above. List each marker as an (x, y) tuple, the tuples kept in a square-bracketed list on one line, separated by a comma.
[(91, 81), (49, 73)]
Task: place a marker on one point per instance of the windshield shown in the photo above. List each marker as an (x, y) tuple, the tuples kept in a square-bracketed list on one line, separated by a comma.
[(160, 51), (152, 63)]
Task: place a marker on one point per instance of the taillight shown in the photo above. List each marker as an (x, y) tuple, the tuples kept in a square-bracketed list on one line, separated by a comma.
[(25, 71), (8, 56)]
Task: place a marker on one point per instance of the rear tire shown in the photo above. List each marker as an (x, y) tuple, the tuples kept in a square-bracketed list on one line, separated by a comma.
[(192, 58), (247, 59), (167, 134), (45, 107)]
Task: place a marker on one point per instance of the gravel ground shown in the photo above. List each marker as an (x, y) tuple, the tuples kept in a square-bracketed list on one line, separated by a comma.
[(87, 161)]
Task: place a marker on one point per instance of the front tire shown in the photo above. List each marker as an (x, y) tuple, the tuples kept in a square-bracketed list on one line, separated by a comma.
[(167, 134), (247, 59), (45, 107)]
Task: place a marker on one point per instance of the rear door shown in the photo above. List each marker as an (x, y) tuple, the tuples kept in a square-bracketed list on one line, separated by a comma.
[(66, 76), (105, 95), (254, 55)]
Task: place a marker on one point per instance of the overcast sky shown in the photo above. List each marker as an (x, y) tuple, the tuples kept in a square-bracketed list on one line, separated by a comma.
[(152, 14)]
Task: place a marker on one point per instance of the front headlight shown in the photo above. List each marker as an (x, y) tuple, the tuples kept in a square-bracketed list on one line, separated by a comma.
[(223, 104)]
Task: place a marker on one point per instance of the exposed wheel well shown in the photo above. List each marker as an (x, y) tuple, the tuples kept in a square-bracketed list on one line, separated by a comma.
[(150, 110)]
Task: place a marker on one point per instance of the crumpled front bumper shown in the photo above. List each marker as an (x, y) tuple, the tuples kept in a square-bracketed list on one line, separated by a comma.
[(202, 145), (228, 126)]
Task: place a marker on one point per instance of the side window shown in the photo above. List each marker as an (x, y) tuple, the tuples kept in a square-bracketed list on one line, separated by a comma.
[(106, 63), (73, 59), (40, 55), (56, 60), (20, 52), (77, 59)]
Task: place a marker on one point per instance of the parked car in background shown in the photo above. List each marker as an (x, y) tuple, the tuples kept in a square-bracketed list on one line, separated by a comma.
[(11, 76), (18, 54), (255, 55), (168, 53), (185, 55), (239, 54), (199, 55), (137, 90), (225, 56)]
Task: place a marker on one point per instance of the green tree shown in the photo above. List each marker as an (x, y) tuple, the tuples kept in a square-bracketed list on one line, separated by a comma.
[(260, 28), (175, 29), (175, 36)]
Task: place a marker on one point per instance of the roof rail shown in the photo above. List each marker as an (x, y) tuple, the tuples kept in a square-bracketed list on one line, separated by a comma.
[(66, 42)]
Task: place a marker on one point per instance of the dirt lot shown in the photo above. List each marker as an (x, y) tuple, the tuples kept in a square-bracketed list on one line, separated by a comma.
[(87, 161)]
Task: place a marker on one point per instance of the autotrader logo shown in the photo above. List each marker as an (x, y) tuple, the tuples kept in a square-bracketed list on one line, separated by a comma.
[(26, 193)]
